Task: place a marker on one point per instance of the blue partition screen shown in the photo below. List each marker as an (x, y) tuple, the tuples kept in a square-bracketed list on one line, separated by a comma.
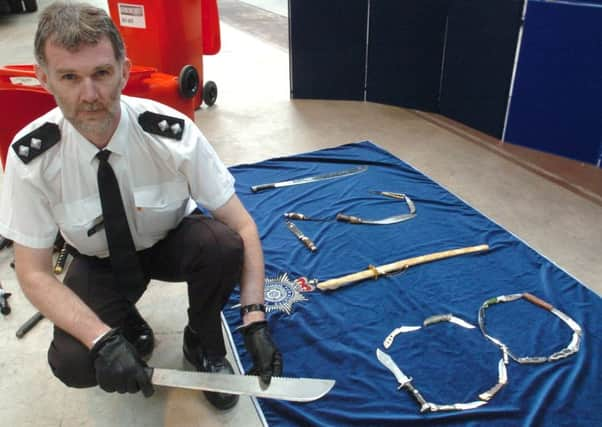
[(556, 104)]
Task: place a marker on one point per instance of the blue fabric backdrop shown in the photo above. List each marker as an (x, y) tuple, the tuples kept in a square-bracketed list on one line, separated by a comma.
[(335, 335)]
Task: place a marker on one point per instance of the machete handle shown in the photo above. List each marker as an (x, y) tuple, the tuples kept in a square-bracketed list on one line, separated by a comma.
[(261, 187), (26, 327), (537, 301)]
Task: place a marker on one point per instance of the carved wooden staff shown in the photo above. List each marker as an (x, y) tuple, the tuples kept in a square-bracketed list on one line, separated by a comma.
[(373, 272)]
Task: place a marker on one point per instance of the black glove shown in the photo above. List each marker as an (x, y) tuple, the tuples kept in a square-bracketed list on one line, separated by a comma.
[(119, 367), (267, 360)]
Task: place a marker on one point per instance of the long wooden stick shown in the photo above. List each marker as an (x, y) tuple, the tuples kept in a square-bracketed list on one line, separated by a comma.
[(374, 272)]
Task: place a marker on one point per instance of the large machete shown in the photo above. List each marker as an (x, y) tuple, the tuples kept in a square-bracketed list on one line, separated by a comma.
[(282, 388)]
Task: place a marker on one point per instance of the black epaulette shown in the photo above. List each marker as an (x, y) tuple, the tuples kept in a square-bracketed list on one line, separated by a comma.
[(158, 124), (37, 141)]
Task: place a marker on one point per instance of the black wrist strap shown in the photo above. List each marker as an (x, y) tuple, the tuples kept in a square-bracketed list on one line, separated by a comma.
[(251, 307)]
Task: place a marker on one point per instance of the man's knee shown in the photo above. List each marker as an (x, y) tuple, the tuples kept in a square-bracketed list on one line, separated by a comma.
[(231, 247), (71, 363), (222, 244)]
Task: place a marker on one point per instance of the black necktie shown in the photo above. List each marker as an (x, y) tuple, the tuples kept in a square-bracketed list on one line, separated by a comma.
[(124, 260)]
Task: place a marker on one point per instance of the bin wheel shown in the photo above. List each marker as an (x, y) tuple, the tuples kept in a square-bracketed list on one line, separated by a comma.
[(30, 5), (188, 81), (210, 93)]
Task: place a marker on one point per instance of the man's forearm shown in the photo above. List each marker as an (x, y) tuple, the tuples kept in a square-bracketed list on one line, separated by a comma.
[(234, 215), (53, 299), (63, 308), (253, 275)]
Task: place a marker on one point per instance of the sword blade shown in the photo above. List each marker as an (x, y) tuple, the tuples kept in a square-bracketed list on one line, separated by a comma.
[(385, 221), (282, 388), (308, 179)]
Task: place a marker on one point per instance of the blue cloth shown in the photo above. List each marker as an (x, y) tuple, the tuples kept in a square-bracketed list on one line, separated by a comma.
[(335, 334)]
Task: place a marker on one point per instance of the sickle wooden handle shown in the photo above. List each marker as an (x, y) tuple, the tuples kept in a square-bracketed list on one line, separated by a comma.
[(537, 301)]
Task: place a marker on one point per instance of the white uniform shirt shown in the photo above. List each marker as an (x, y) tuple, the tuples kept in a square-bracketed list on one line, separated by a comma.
[(160, 178)]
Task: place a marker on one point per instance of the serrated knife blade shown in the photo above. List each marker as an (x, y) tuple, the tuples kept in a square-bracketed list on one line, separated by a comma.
[(281, 388)]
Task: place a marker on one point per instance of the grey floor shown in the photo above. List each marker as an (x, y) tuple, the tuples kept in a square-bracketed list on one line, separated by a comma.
[(553, 205)]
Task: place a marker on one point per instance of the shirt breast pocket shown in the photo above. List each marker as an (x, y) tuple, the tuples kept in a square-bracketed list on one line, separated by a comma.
[(160, 208), (76, 219)]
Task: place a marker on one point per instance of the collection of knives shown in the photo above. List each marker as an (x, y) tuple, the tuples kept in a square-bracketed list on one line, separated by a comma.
[(341, 217)]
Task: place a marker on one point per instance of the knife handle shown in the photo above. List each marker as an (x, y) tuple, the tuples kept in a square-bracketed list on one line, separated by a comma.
[(295, 215), (261, 187), (309, 244), (424, 406)]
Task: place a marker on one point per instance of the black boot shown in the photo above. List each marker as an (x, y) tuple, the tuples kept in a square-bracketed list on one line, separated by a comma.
[(204, 362), (139, 333)]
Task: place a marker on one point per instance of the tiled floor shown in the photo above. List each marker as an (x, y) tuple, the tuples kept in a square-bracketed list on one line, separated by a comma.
[(552, 204)]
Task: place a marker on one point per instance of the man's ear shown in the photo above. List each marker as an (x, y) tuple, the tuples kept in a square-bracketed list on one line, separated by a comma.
[(125, 72), (41, 75)]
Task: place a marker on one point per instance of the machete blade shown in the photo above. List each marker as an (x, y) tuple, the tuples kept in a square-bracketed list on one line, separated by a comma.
[(282, 388), (308, 179)]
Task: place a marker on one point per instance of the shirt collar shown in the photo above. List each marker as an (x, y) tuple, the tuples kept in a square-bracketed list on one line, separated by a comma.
[(119, 140)]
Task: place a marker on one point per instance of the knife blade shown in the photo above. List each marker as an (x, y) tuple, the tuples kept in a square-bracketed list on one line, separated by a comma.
[(308, 179), (385, 221), (386, 360), (403, 380), (281, 388)]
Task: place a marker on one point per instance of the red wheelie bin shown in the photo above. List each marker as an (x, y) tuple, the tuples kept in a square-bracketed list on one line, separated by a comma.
[(172, 36)]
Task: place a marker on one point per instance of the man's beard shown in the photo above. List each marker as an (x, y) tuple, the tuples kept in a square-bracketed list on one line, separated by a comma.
[(97, 126)]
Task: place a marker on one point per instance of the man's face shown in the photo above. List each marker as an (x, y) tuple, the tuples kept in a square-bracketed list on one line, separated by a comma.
[(86, 85)]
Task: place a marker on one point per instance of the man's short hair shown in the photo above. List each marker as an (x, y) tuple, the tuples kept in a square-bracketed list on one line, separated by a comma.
[(71, 25)]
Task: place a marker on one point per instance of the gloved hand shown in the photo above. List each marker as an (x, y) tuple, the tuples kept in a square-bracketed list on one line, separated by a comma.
[(267, 360), (118, 366)]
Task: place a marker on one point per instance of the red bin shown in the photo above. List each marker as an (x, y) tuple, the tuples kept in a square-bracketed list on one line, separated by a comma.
[(171, 36)]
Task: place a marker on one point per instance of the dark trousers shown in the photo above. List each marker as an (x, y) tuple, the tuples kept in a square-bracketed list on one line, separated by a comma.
[(201, 251)]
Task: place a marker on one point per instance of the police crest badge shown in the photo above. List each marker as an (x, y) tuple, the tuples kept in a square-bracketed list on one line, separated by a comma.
[(281, 293)]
